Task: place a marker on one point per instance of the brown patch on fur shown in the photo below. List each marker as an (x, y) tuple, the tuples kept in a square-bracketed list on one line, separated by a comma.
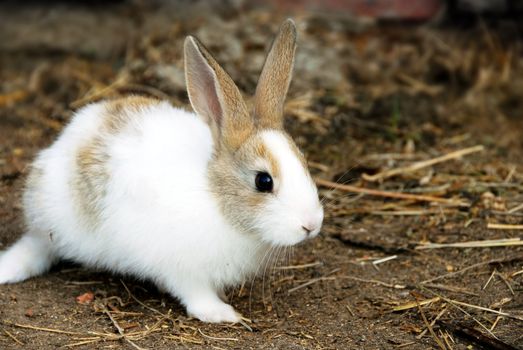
[(234, 193), (231, 176), (120, 111), (257, 149), (91, 177), (35, 177)]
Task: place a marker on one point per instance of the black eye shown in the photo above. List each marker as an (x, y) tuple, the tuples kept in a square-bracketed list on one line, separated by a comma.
[(264, 182)]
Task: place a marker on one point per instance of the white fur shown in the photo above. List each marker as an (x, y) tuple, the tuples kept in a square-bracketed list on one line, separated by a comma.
[(155, 216), (295, 204), (159, 219)]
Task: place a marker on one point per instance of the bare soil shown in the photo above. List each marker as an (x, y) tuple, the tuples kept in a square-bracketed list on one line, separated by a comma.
[(365, 98)]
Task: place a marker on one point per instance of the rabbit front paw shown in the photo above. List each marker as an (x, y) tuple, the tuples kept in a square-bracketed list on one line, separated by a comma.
[(213, 311)]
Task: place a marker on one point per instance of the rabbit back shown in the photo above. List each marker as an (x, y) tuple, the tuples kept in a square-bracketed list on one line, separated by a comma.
[(125, 188)]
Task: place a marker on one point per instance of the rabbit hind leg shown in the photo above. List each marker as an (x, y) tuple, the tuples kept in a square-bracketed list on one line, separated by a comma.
[(30, 256)]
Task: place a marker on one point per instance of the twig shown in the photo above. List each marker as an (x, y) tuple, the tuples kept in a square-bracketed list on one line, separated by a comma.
[(84, 342), (314, 280), (157, 324), (495, 184), (510, 174), (489, 279), (476, 336), (183, 339), (120, 329), (423, 164), (83, 283), (493, 226), (412, 305), (13, 97), (308, 283), (450, 337), (420, 86), (319, 166), (13, 337), (382, 260), (504, 279), (453, 304), (392, 156), (59, 331), (473, 244), (432, 189), (389, 194), (350, 310), (140, 302), (381, 283), (496, 322), (429, 327), (500, 303), (216, 338), (413, 212), (404, 345), (43, 329), (505, 213), (449, 289), (477, 307), (445, 336), (433, 322), (299, 267), (99, 92), (492, 261), (515, 209)]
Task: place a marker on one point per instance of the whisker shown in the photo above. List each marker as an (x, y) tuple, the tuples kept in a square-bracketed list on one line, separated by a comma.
[(253, 278), (341, 177), (271, 276), (265, 272), (352, 196)]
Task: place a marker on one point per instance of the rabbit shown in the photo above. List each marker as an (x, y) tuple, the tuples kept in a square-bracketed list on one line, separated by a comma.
[(190, 201)]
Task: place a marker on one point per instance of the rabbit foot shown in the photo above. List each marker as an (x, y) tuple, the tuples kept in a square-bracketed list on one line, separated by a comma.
[(214, 312)]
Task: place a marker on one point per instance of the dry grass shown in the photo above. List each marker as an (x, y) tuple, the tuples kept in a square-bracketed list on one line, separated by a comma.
[(414, 138)]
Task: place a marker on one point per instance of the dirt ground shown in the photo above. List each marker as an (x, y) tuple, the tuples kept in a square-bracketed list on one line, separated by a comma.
[(366, 98)]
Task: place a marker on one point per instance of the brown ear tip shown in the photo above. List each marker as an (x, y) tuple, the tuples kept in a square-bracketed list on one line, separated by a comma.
[(289, 21), (289, 26)]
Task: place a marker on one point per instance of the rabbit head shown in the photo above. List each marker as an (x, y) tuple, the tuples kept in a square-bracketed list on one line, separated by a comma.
[(257, 174)]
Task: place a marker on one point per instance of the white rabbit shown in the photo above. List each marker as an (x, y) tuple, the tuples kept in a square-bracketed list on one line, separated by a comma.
[(192, 202)]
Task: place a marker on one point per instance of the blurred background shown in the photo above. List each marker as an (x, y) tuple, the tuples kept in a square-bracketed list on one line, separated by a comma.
[(379, 88)]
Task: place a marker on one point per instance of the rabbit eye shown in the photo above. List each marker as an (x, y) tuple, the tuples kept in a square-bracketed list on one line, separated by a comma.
[(264, 182)]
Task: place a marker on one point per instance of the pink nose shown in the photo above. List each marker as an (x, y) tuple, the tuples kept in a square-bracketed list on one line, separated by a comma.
[(311, 227), (307, 229), (312, 224)]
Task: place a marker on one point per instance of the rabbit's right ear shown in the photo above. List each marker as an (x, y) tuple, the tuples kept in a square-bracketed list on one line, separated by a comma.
[(275, 78), (215, 97)]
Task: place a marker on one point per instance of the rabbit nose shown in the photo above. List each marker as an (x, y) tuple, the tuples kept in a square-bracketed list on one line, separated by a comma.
[(312, 224), (307, 230)]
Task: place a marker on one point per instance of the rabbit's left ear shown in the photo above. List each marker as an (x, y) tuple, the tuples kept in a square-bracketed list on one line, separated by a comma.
[(215, 97), (275, 78)]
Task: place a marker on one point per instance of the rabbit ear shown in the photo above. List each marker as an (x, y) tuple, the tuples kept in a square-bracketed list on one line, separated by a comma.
[(275, 78), (215, 97)]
